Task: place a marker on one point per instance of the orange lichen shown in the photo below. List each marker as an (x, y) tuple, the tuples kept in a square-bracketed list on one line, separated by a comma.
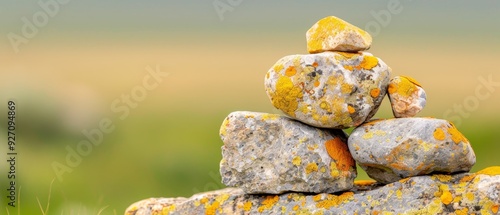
[(338, 150), (351, 109), (334, 200), (316, 197), (494, 208), (311, 167), (315, 64), (295, 208), (491, 171), (268, 203), (392, 88), (456, 136), (364, 182), (375, 92), (290, 71), (439, 134), (446, 197), (316, 84)]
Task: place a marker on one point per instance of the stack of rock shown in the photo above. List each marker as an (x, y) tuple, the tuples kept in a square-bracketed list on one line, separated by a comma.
[(288, 164)]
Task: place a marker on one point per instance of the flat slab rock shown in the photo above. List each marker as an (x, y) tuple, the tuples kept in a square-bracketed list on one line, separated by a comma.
[(392, 149), (330, 89), (466, 193), (269, 153)]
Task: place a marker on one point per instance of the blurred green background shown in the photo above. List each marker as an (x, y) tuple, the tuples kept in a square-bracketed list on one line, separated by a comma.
[(84, 56)]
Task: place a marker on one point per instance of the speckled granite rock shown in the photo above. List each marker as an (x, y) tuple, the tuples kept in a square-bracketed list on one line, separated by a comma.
[(465, 193), (330, 89), (389, 150), (268, 153), (334, 34), (406, 95)]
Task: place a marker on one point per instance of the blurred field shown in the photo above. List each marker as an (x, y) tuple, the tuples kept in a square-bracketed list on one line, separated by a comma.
[(92, 53), (169, 145)]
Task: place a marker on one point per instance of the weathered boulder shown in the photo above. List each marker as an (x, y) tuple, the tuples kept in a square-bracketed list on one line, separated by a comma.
[(334, 34), (406, 95), (392, 149), (330, 89), (268, 153), (465, 193)]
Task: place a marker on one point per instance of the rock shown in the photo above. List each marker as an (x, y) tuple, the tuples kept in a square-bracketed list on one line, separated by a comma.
[(464, 193), (330, 89), (334, 34), (406, 95), (268, 153), (389, 150)]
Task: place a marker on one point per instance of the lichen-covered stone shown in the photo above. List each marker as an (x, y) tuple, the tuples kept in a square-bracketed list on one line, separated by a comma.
[(406, 95), (334, 34), (392, 149), (465, 193), (268, 153), (330, 89)]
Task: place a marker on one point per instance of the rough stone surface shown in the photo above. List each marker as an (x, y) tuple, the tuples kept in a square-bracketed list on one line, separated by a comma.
[(406, 95), (330, 89), (334, 34), (465, 193), (268, 153), (389, 150)]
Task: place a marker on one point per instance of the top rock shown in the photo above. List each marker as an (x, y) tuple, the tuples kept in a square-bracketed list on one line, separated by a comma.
[(334, 34)]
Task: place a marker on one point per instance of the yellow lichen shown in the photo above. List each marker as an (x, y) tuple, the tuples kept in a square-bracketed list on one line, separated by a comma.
[(269, 116), (470, 196), (463, 211), (439, 134), (443, 178), (297, 161), (316, 83), (334, 200), (247, 206), (311, 167), (368, 62), (491, 171), (446, 197), (268, 203), (286, 95), (412, 80), (295, 208), (456, 136), (399, 194), (167, 209), (402, 86), (277, 67), (212, 209), (339, 151), (374, 93)]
